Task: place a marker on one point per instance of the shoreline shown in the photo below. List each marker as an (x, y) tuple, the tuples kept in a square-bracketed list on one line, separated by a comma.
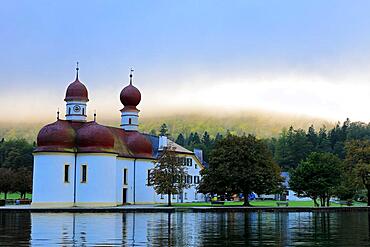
[(160, 209)]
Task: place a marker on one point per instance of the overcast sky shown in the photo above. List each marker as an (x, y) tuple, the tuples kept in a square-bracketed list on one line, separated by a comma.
[(302, 57)]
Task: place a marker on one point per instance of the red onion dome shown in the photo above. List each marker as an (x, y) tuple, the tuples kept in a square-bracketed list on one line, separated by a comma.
[(58, 136), (139, 145), (130, 96), (93, 137), (76, 91)]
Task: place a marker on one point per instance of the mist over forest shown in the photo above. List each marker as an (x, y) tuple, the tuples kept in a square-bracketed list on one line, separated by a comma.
[(261, 124)]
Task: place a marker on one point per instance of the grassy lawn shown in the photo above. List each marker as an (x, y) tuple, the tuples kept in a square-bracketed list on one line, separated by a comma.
[(267, 203), (14, 196)]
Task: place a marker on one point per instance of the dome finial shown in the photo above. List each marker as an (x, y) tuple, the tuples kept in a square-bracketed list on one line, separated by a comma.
[(77, 69), (131, 70)]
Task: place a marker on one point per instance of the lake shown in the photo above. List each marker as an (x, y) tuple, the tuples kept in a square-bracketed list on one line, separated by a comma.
[(185, 229)]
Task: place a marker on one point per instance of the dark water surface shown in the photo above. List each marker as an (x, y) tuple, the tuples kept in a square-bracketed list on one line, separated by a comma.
[(185, 229)]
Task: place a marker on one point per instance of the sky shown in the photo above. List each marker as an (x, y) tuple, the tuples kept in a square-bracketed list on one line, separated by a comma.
[(300, 57)]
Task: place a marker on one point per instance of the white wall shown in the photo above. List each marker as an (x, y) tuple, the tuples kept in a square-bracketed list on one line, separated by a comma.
[(100, 188), (48, 178), (147, 193), (125, 120)]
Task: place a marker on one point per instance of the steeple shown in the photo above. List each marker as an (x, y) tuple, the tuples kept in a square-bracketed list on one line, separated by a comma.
[(76, 99), (77, 69), (130, 97)]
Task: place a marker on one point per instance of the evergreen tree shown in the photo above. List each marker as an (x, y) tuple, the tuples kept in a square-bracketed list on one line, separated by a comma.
[(206, 139), (196, 138), (163, 130), (180, 140)]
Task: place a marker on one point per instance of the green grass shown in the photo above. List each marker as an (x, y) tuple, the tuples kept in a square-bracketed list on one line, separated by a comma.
[(14, 196), (267, 203)]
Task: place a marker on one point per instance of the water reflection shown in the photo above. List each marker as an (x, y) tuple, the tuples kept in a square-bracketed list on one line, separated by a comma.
[(185, 229)]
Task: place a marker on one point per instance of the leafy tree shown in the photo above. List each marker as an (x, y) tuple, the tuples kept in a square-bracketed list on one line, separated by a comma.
[(6, 181), (358, 163), (169, 174), (196, 138), (317, 177), (16, 153), (22, 181), (163, 130), (153, 132), (180, 139), (241, 165)]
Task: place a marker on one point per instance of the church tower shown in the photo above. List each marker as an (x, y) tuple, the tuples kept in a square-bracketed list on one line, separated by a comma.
[(76, 100), (130, 97)]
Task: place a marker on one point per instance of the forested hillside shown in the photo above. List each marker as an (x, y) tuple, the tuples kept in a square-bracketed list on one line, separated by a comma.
[(261, 124)]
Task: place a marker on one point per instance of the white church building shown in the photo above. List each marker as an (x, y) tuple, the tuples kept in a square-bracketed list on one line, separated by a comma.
[(83, 163)]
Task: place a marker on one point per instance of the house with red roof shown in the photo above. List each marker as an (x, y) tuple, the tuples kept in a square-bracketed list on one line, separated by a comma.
[(84, 163)]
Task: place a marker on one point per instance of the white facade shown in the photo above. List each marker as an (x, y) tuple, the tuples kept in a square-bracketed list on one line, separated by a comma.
[(104, 183)]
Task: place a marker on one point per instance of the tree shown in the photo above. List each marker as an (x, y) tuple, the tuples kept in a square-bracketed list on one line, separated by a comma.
[(6, 181), (206, 139), (169, 174), (180, 139), (317, 177), (241, 165), (196, 138), (16, 153), (163, 131), (358, 163), (22, 181)]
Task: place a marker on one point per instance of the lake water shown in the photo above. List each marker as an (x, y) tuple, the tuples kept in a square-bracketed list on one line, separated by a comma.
[(185, 229)]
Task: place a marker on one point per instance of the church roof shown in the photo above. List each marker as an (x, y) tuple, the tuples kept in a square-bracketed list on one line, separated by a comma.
[(91, 137)]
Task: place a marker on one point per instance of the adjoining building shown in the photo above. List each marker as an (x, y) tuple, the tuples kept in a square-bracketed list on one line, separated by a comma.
[(83, 163)]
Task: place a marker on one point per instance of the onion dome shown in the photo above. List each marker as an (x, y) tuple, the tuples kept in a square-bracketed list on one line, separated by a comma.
[(130, 96), (96, 138), (139, 145), (58, 136), (76, 90)]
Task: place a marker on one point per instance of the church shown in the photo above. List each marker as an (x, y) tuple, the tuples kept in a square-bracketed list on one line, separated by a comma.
[(83, 163)]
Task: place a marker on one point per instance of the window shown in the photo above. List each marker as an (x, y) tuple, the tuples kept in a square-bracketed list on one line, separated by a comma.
[(196, 179), (149, 177), (83, 111), (195, 166), (66, 173), (186, 195), (196, 196), (189, 179), (69, 110), (173, 196), (162, 197), (125, 176), (84, 174), (189, 162), (129, 121)]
